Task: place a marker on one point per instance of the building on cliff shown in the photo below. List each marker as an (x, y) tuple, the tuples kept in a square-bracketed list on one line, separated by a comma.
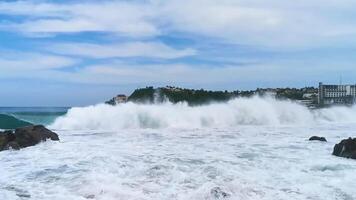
[(336, 94), (121, 98)]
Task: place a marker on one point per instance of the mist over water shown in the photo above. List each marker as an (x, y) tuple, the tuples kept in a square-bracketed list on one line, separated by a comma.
[(240, 111)]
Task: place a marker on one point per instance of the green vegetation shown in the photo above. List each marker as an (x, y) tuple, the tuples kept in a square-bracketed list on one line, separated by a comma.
[(175, 95), (295, 94), (143, 95), (199, 97)]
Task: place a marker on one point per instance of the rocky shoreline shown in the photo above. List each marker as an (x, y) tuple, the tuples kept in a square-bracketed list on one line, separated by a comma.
[(32, 135), (25, 137), (345, 148)]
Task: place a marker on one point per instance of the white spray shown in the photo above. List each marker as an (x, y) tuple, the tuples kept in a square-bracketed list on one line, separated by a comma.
[(240, 111)]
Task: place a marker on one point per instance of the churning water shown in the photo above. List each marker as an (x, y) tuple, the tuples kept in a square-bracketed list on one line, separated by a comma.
[(244, 149)]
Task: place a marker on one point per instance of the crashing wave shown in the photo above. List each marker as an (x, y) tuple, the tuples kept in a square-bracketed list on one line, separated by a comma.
[(240, 111)]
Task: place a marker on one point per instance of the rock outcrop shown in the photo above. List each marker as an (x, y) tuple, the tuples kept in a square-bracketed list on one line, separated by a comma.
[(25, 137), (317, 138), (346, 148)]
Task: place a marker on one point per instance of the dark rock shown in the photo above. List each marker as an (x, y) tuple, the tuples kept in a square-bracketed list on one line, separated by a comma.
[(218, 193), (5, 138), (13, 145), (32, 135), (25, 137), (346, 148), (317, 138)]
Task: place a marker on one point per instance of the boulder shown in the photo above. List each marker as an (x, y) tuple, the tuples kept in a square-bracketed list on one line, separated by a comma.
[(317, 138), (13, 145), (346, 148), (5, 138), (32, 135), (25, 137)]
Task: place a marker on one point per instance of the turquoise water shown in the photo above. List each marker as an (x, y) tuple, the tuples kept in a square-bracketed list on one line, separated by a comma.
[(14, 117)]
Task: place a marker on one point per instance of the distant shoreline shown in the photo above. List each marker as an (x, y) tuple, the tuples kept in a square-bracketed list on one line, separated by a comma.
[(306, 96)]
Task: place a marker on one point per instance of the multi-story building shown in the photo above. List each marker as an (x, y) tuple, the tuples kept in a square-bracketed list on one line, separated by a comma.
[(336, 94), (121, 98)]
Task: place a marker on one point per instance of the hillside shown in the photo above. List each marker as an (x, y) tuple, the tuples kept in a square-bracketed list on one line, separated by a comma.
[(175, 95), (199, 97)]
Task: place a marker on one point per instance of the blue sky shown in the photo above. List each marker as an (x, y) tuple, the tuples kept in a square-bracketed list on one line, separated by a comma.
[(73, 53)]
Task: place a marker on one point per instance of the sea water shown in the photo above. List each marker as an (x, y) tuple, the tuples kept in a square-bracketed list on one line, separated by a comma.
[(12, 117), (253, 148)]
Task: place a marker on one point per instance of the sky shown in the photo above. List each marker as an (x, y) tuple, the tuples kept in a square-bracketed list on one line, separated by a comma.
[(77, 53)]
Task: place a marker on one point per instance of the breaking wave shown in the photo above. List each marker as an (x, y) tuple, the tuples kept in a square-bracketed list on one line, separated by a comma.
[(240, 111), (11, 122)]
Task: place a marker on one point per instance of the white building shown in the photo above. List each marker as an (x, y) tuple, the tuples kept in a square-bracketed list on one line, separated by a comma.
[(121, 98), (336, 94)]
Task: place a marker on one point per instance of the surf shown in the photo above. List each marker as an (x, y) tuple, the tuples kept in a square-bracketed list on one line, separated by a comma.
[(240, 111)]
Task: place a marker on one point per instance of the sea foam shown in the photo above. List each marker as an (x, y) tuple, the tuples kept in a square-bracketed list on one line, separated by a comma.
[(249, 148), (240, 111)]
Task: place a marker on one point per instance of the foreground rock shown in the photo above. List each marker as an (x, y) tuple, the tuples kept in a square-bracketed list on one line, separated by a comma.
[(322, 139), (25, 137), (346, 148)]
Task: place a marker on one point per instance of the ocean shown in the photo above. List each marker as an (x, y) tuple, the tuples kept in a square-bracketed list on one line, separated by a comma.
[(245, 149), (12, 117)]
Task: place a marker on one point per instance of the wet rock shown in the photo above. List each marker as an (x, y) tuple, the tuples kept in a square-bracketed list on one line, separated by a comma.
[(322, 139), (346, 148), (25, 137), (32, 135), (5, 138), (13, 145), (218, 193)]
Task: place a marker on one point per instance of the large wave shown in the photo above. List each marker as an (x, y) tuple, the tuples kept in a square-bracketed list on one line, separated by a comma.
[(11, 122), (240, 111)]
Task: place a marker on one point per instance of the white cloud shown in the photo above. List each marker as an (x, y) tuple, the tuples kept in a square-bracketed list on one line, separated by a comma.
[(130, 49), (119, 73), (223, 17), (269, 23), (130, 19), (20, 62), (45, 67), (274, 22)]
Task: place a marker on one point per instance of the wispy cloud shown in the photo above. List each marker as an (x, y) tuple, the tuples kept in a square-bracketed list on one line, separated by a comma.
[(22, 62), (130, 19), (272, 23), (147, 74), (121, 50), (199, 42)]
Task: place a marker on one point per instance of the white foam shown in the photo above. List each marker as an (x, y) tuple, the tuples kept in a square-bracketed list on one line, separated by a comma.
[(249, 163), (241, 111), (189, 153)]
